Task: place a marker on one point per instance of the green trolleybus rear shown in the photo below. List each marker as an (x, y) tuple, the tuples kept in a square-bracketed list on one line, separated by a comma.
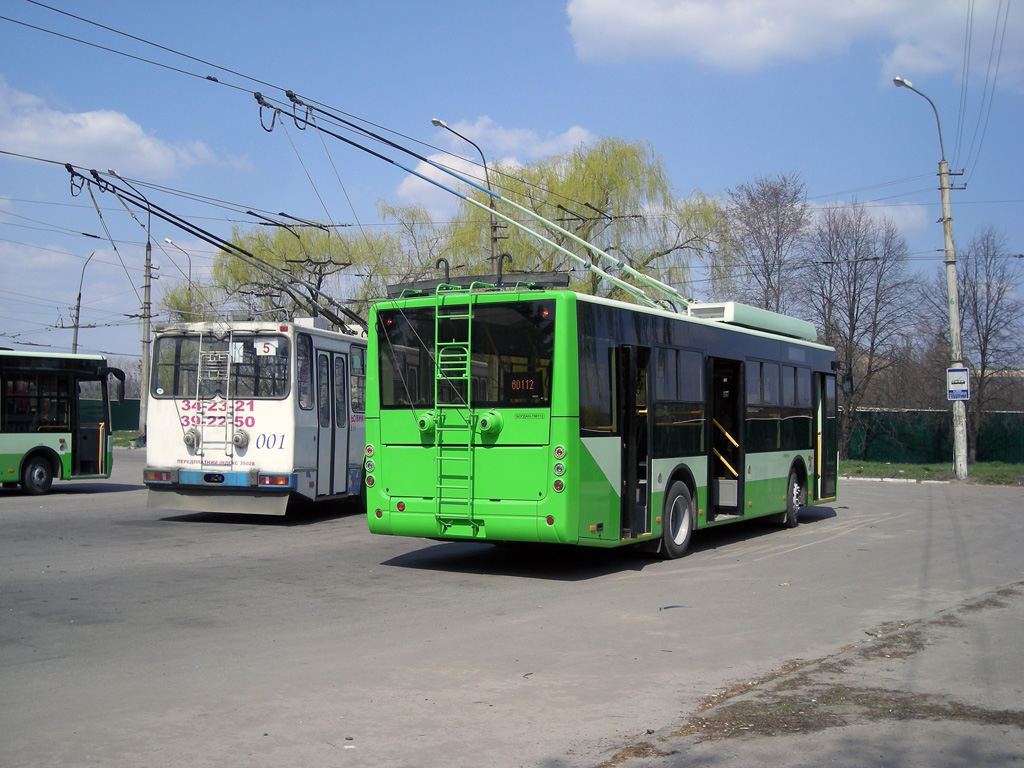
[(543, 415)]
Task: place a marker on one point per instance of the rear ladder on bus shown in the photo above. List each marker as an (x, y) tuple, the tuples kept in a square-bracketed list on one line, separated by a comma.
[(214, 366), (453, 407)]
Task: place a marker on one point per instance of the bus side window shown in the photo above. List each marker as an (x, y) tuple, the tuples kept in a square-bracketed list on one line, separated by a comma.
[(324, 390), (358, 380), (304, 370)]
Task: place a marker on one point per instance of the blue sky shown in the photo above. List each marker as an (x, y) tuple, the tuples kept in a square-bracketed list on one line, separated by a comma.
[(723, 92)]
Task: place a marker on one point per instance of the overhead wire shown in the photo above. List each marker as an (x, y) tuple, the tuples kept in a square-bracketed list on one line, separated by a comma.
[(498, 172), (994, 78), (965, 70)]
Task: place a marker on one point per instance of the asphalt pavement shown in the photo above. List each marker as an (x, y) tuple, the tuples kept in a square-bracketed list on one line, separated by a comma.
[(884, 630), (947, 690)]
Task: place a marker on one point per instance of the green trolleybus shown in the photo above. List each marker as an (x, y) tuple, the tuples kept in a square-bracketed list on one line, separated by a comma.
[(46, 429), (531, 413)]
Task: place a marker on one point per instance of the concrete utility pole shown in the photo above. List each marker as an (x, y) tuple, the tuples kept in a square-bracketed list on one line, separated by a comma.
[(955, 351), (147, 310)]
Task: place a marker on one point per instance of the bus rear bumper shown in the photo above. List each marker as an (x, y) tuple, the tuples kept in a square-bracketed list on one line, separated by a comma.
[(250, 492), (230, 501)]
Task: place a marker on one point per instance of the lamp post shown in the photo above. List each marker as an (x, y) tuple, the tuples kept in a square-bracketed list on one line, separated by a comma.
[(187, 256), (487, 179), (955, 352), (78, 306)]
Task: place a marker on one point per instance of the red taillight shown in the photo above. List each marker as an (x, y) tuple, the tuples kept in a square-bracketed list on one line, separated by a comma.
[(152, 476), (370, 481), (550, 520), (273, 479), (559, 486), (401, 506), (379, 514)]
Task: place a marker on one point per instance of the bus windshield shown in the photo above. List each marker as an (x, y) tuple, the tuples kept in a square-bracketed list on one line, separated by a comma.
[(249, 366), (511, 350)]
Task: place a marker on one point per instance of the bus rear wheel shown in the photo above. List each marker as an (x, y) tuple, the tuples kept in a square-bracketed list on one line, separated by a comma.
[(677, 522), (794, 500), (36, 476)]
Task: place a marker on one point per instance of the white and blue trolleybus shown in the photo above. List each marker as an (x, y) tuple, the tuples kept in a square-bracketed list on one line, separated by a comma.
[(244, 417)]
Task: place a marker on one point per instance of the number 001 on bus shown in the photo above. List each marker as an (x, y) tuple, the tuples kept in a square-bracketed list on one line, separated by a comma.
[(543, 415)]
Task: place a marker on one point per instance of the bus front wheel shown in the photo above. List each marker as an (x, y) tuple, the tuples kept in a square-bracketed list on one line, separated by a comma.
[(677, 522), (36, 476)]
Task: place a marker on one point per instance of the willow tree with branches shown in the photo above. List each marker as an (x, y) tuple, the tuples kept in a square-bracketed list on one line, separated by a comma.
[(613, 194)]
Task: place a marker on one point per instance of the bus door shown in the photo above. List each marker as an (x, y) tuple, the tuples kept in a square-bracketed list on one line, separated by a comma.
[(633, 396), (339, 482), (332, 427), (826, 431), (88, 438), (725, 425)]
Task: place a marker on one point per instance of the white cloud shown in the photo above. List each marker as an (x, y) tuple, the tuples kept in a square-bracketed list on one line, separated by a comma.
[(97, 139), (745, 35), (510, 146), (908, 218)]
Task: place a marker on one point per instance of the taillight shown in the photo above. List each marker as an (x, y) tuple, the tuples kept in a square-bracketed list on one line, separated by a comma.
[(274, 480)]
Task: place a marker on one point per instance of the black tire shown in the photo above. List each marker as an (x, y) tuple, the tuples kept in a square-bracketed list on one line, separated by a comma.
[(794, 500), (676, 522), (36, 475)]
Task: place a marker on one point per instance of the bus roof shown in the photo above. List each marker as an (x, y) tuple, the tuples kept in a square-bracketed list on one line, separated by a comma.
[(258, 326), (738, 317), (68, 356)]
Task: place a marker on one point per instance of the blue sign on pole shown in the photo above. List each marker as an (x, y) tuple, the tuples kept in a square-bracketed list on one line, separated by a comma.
[(958, 384)]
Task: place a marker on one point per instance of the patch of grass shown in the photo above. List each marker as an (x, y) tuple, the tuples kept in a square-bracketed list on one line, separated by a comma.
[(987, 473), (123, 439)]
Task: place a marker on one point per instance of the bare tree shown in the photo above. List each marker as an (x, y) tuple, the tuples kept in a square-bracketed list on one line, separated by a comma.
[(991, 321), (767, 222), (854, 289)]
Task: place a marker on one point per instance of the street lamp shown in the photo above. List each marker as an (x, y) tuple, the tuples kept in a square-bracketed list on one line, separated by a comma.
[(78, 306), (187, 256), (487, 179), (959, 409)]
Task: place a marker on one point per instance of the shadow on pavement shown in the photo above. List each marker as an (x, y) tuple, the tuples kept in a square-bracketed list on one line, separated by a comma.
[(571, 563)]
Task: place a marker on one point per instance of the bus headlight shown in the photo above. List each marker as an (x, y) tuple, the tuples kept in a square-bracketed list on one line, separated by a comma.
[(191, 437), (240, 439)]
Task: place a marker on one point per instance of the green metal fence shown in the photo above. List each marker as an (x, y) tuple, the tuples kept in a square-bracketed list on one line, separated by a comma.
[(923, 437), (123, 416)]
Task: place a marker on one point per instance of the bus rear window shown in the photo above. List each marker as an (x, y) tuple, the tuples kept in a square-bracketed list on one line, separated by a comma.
[(234, 366), (511, 351)]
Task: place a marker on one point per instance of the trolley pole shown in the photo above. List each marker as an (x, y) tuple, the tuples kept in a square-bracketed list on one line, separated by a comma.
[(952, 294)]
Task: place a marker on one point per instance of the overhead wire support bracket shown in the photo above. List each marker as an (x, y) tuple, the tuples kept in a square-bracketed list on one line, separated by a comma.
[(283, 278)]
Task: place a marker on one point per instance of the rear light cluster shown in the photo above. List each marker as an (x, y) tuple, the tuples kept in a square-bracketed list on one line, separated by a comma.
[(156, 476), (274, 479), (559, 470), (369, 465)]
